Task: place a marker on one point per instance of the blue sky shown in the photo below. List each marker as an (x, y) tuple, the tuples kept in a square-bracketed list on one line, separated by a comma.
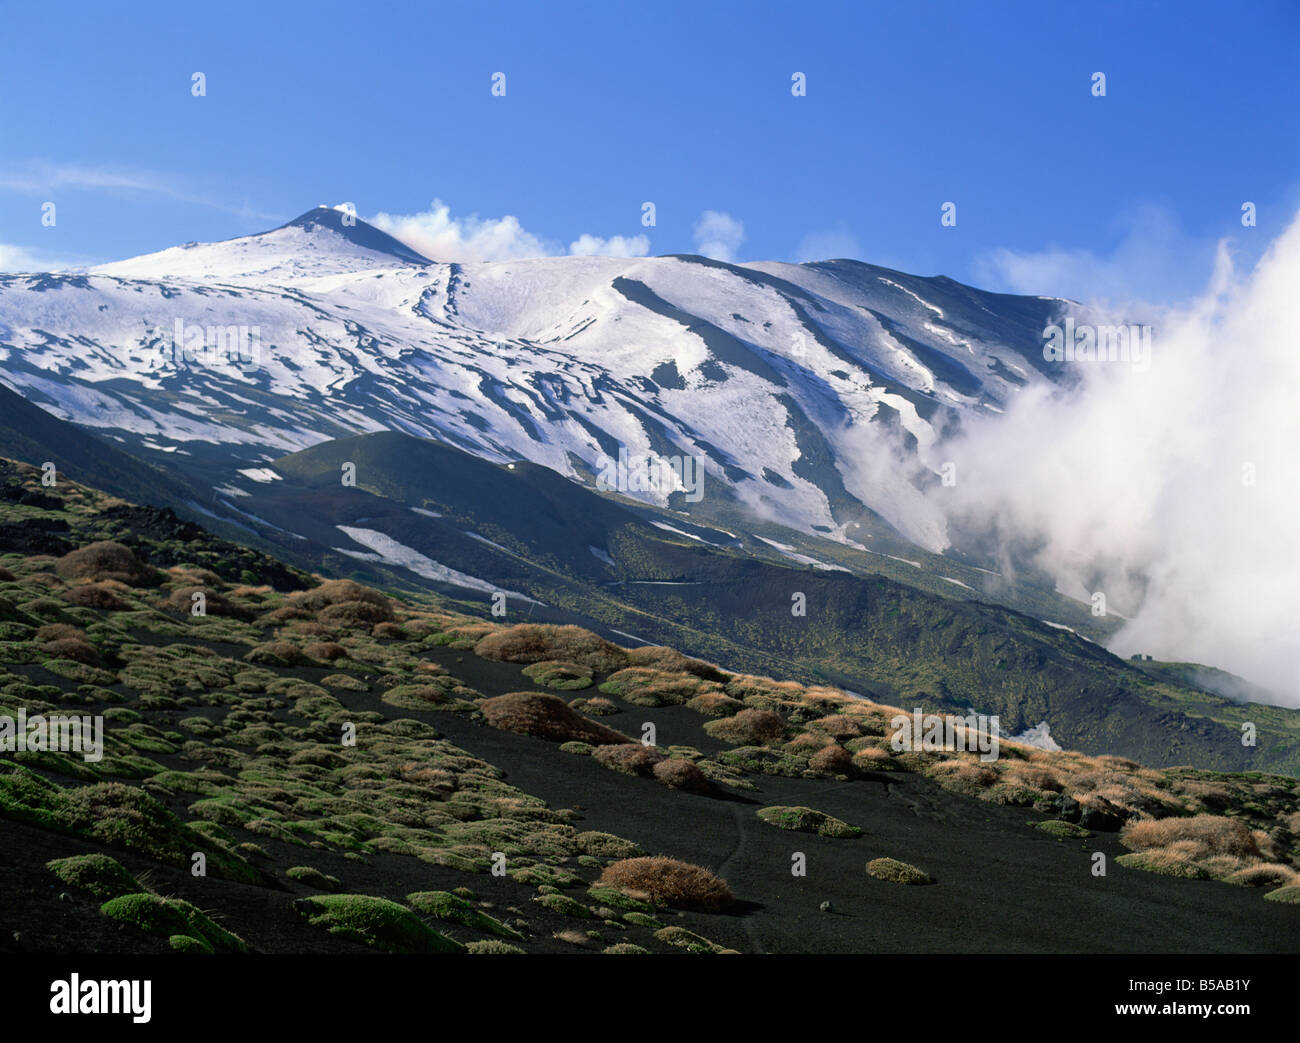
[(687, 105)]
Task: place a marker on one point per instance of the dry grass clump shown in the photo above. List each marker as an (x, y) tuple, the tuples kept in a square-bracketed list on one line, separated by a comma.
[(832, 760), (326, 651), (59, 632), (337, 592), (597, 706), (750, 727), (355, 613), (1198, 837), (388, 632), (807, 743), (666, 881), (276, 653), (107, 560), (629, 758), (897, 872), (839, 726), (715, 704), (644, 686), (310, 628), (1032, 776), (194, 576), (871, 758), (1265, 874), (764, 692), (669, 660), (547, 717), (214, 604), (96, 595), (76, 649), (6, 576), (536, 642), (676, 773), (963, 774)]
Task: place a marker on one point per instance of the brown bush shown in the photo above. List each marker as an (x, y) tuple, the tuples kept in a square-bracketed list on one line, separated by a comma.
[(107, 560), (326, 651), (870, 757), (214, 604), (288, 612), (310, 628), (669, 660), (535, 642), (715, 704), (832, 760), (681, 774), (72, 648), (547, 717), (630, 758), (839, 726), (750, 727), (746, 687), (60, 632), (6, 576), (195, 576), (966, 772), (274, 652), (96, 595), (808, 742), (1198, 837), (1036, 778), (355, 613), (388, 631), (1267, 874), (666, 881), (336, 592)]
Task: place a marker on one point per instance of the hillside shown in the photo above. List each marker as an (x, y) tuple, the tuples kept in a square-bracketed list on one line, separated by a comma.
[(605, 563), (480, 744)]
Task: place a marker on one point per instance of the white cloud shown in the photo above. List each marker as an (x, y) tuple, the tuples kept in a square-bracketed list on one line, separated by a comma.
[(14, 258), (1151, 261), (718, 235), (1132, 483), (615, 246), (44, 178), (440, 236)]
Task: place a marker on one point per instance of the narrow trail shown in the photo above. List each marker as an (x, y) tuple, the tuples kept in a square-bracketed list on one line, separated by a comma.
[(737, 852)]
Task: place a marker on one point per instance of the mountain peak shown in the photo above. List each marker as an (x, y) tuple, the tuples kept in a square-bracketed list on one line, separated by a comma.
[(345, 223), (323, 241)]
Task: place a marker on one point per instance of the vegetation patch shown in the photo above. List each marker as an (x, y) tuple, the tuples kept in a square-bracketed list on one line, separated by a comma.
[(750, 727), (690, 941), (537, 642), (559, 675), (102, 876), (666, 881), (452, 908), (806, 820), (1065, 830), (547, 717), (375, 922), (897, 872)]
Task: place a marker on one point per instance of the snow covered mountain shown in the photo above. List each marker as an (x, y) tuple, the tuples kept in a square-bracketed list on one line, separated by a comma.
[(789, 382)]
